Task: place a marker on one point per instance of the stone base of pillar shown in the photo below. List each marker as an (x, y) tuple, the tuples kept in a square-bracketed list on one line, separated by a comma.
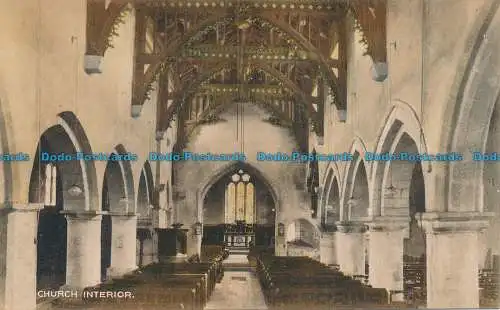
[(452, 258), (350, 238), (193, 244), (386, 254), (327, 249), (84, 250), (18, 232), (280, 246), (123, 245)]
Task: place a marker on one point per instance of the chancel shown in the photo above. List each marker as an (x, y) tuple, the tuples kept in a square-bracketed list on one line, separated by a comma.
[(249, 154)]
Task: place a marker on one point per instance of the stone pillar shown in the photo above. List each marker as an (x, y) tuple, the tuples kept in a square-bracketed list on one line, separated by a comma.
[(452, 258), (350, 241), (280, 248), (327, 249), (123, 244), (84, 250), (18, 232), (193, 243), (386, 250)]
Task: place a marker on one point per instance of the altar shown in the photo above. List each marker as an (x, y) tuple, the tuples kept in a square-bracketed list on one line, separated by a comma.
[(239, 235)]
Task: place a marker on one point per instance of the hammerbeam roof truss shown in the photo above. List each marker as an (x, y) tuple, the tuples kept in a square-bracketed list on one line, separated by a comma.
[(294, 44)]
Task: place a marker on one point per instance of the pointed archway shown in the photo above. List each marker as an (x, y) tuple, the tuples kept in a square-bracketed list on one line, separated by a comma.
[(146, 236), (64, 184), (118, 216), (239, 195)]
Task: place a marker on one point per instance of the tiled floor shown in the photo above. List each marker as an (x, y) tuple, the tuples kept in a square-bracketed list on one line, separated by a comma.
[(239, 290)]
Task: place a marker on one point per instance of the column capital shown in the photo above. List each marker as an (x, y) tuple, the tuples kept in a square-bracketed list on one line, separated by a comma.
[(122, 214), (327, 234), (389, 223), (87, 215), (21, 207), (351, 227), (450, 222)]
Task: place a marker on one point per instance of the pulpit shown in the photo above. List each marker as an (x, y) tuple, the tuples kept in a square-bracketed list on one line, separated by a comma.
[(172, 242), (239, 235)]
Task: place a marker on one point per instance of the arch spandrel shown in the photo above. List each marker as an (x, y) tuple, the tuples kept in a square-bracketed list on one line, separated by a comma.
[(401, 120), (471, 119), (79, 189)]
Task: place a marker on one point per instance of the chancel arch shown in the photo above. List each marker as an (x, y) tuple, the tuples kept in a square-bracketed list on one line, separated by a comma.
[(239, 209), (64, 188)]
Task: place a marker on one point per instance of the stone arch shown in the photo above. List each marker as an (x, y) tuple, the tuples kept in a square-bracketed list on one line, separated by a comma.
[(119, 182), (330, 197), (146, 241), (145, 192), (211, 180), (303, 238), (401, 132), (117, 197), (60, 184), (6, 173), (79, 187), (471, 116), (355, 183)]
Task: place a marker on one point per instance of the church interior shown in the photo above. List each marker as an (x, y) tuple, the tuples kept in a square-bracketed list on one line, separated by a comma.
[(288, 109)]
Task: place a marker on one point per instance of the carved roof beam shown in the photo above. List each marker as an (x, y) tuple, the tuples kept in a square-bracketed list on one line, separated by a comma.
[(250, 91), (142, 85), (214, 58), (316, 6), (326, 70), (183, 95), (223, 103), (155, 63), (371, 21), (305, 98), (102, 22), (191, 88)]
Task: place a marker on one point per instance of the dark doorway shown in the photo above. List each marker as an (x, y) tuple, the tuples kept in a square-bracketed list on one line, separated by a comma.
[(51, 243), (106, 233)]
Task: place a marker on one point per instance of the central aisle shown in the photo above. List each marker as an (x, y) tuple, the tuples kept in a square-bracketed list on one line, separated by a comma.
[(239, 290)]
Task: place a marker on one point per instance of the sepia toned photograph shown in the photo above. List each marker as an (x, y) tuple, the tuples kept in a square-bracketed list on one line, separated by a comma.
[(249, 154)]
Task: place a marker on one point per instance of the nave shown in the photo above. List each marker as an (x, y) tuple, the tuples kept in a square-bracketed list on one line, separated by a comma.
[(341, 82), (237, 281)]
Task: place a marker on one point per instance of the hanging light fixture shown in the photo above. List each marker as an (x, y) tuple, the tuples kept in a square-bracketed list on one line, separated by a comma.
[(281, 230), (75, 191), (198, 228)]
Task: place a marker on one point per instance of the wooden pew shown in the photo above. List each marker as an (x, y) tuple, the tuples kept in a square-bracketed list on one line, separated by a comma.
[(489, 287), (414, 273), (300, 282), (159, 286)]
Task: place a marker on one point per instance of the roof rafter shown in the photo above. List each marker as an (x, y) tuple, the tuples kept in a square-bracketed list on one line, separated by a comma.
[(176, 45)]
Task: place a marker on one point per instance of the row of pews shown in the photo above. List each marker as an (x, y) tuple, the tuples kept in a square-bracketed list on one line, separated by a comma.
[(414, 274), (300, 282), (179, 285), (489, 288)]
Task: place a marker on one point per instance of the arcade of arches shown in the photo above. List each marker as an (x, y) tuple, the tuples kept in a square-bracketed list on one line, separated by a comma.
[(96, 95)]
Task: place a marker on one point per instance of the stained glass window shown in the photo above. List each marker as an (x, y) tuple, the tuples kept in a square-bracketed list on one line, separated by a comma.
[(240, 199)]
